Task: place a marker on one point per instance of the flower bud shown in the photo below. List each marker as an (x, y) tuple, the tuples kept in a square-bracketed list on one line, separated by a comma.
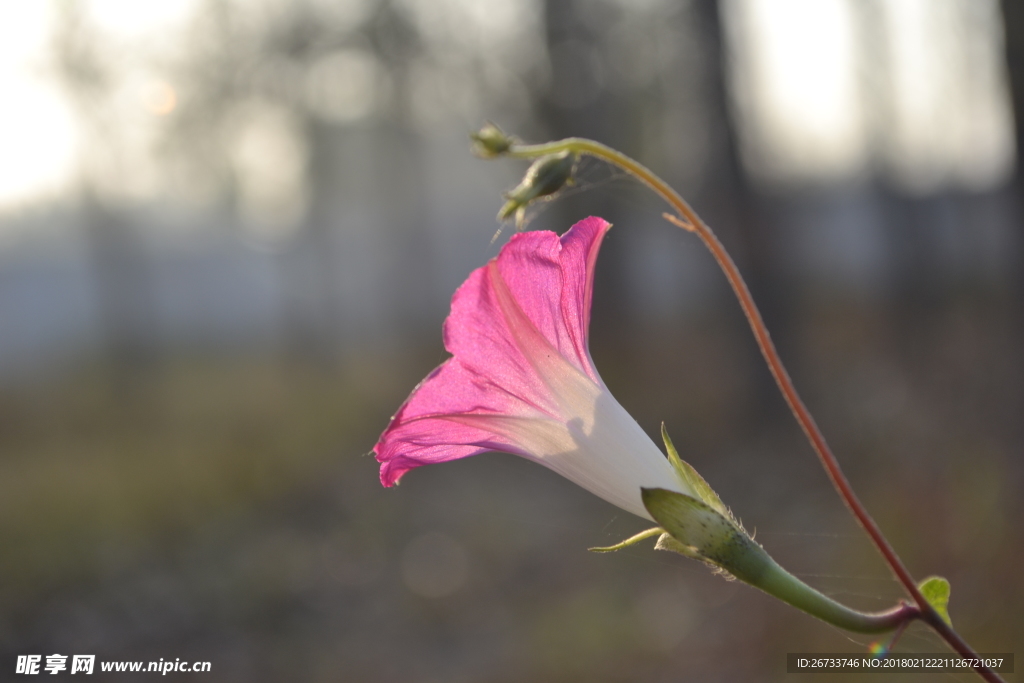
[(490, 141), (546, 176)]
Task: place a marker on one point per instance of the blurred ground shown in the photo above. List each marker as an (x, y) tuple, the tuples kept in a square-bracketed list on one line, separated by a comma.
[(227, 511)]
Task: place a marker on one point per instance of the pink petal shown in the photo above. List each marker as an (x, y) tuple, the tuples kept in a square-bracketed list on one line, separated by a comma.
[(518, 332), (484, 341), (553, 281), (422, 432)]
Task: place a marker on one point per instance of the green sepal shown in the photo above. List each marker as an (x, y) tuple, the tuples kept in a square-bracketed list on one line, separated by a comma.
[(935, 590), (666, 542), (629, 541), (691, 479), (705, 534)]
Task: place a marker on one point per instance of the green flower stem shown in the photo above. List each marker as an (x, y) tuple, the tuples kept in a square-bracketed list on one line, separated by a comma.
[(777, 582), (689, 220), (695, 528)]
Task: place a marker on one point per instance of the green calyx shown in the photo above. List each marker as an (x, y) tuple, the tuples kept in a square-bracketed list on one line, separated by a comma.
[(697, 530), (701, 527), (546, 176)]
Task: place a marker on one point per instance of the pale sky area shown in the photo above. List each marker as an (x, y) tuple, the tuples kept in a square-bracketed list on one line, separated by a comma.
[(39, 138), (918, 87), (37, 135), (796, 73)]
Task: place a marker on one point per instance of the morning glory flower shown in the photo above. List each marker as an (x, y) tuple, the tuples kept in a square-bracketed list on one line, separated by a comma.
[(521, 378)]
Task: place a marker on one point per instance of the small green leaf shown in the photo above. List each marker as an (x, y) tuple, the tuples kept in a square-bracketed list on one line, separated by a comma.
[(629, 541), (691, 479), (936, 591)]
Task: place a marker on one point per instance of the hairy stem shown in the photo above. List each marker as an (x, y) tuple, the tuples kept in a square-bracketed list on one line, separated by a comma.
[(690, 221)]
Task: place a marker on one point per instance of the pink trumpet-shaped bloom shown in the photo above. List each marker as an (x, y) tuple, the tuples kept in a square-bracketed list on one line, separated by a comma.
[(521, 378)]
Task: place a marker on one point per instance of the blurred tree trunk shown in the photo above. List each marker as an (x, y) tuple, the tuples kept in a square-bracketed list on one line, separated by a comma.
[(913, 274), (739, 212), (123, 288), (1013, 22), (365, 191), (123, 285), (311, 311), (577, 104)]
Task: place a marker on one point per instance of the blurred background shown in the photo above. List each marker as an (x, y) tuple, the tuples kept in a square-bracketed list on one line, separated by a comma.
[(229, 232)]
